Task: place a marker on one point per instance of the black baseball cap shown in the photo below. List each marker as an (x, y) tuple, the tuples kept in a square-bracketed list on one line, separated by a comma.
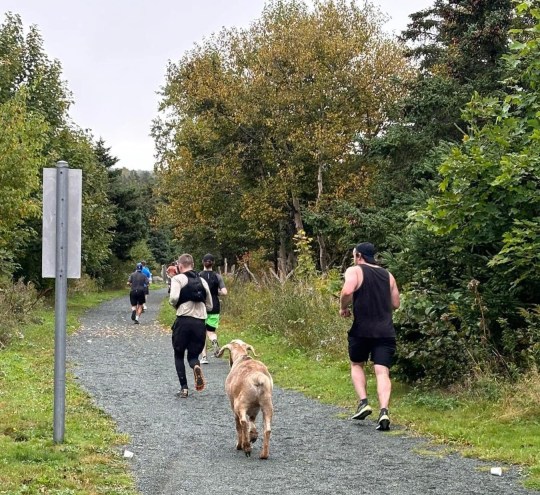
[(367, 250), (208, 257)]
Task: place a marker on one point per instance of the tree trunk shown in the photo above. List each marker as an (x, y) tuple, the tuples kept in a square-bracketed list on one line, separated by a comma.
[(298, 223), (323, 254), (282, 259)]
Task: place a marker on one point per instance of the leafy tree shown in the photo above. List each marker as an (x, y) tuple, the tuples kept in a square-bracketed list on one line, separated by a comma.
[(457, 46), (472, 250), (261, 124), (29, 67), (21, 151), (33, 102)]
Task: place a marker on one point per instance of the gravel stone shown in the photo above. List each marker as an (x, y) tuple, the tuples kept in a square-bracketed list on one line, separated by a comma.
[(188, 445)]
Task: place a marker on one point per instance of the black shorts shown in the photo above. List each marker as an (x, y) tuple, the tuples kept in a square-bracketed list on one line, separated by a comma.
[(137, 297), (381, 350)]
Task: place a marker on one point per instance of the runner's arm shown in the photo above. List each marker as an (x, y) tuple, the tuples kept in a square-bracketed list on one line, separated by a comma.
[(222, 290), (394, 292), (350, 284)]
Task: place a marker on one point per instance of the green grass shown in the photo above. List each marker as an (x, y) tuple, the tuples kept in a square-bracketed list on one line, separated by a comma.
[(465, 422), (89, 461)]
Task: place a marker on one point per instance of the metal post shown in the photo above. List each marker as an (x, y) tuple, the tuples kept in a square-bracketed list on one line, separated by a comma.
[(60, 301)]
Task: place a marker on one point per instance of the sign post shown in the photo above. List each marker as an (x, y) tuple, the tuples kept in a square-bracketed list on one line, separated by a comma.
[(61, 259)]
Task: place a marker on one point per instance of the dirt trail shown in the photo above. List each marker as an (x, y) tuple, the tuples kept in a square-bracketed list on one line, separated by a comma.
[(188, 445)]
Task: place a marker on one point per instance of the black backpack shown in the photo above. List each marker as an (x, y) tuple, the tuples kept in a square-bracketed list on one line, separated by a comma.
[(193, 291)]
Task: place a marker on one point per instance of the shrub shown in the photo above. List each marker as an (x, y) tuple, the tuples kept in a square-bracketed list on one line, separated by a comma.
[(304, 313), (18, 301)]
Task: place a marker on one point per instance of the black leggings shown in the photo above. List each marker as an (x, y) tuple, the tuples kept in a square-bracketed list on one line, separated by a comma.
[(189, 334)]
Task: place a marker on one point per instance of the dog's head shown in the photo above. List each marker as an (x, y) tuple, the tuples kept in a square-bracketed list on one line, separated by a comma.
[(237, 349)]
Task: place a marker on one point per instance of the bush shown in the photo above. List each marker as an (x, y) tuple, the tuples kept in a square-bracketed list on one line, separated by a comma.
[(18, 301), (304, 313)]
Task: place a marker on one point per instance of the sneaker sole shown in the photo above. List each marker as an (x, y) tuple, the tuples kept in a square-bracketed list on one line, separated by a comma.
[(384, 424), (200, 383), (362, 415)]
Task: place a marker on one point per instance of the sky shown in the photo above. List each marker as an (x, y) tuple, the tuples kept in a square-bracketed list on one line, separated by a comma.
[(114, 54)]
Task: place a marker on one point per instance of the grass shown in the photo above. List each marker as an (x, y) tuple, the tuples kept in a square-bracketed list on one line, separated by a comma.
[(491, 420), (489, 426), (89, 461)]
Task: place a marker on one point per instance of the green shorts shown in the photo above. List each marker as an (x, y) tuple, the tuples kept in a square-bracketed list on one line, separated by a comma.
[(212, 321)]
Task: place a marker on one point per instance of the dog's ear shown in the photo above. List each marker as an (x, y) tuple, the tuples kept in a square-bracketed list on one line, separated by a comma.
[(222, 350)]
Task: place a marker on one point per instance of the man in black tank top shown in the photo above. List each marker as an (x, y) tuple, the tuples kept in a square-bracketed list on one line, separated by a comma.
[(217, 288), (374, 295)]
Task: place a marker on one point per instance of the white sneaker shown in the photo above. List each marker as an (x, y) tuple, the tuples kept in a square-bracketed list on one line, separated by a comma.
[(203, 360)]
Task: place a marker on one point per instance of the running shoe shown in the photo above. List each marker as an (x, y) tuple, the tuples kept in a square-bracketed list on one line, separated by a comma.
[(182, 394), (203, 360), (133, 313), (200, 382), (383, 423), (363, 411)]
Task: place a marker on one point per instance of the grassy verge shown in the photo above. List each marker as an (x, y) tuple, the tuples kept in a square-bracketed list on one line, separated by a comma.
[(486, 424), (89, 460)]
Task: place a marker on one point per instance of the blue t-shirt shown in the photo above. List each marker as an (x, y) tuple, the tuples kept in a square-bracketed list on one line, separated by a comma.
[(146, 271)]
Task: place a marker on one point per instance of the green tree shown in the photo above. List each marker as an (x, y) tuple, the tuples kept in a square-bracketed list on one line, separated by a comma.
[(262, 124), (26, 65), (471, 253), (21, 150)]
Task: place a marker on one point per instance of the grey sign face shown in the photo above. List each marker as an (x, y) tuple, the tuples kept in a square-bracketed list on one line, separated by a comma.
[(74, 206)]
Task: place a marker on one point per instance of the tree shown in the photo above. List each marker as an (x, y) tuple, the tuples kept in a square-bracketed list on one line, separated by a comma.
[(462, 39), (33, 103), (104, 157), (488, 197), (21, 151), (261, 124), (457, 45), (30, 68), (470, 255)]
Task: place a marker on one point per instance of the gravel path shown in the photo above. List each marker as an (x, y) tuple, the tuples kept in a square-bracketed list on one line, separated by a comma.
[(188, 445)]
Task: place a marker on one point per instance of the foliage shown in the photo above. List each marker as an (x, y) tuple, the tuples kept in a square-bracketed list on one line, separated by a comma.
[(21, 151), (131, 194), (26, 66), (141, 252), (306, 316), (262, 125), (464, 243), (461, 40), (305, 268), (18, 303)]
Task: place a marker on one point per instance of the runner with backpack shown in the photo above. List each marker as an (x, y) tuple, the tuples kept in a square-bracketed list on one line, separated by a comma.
[(191, 297)]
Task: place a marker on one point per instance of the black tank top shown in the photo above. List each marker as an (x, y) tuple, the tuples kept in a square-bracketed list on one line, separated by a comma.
[(372, 305), (213, 284)]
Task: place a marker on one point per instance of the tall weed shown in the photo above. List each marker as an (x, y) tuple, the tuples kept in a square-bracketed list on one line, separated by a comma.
[(18, 303), (301, 312)]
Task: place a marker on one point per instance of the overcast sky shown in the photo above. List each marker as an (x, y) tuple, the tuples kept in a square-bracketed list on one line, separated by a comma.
[(114, 54)]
